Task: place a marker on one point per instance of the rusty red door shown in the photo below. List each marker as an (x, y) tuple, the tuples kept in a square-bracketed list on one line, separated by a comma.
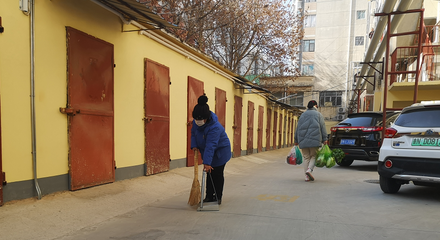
[(220, 106), (237, 125), (280, 131), (275, 122), (157, 117), (250, 128), (269, 119), (260, 129), (195, 90), (90, 110)]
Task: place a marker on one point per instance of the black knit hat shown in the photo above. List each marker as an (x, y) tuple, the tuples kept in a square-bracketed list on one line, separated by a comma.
[(201, 110), (312, 103)]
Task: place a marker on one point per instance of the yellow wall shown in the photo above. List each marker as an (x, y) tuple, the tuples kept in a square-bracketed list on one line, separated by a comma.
[(377, 106), (130, 50), (15, 85), (399, 99)]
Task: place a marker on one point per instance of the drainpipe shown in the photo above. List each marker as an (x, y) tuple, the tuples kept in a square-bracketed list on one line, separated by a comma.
[(34, 138), (350, 25)]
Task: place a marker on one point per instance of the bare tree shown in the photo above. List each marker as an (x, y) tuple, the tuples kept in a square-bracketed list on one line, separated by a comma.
[(253, 37)]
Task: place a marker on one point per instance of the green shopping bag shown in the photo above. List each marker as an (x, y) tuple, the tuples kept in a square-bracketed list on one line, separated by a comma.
[(324, 157), (299, 158)]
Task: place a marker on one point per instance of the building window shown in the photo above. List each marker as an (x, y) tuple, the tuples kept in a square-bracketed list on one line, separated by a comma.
[(359, 41), (360, 14), (308, 70), (308, 45), (297, 99), (330, 99), (310, 21)]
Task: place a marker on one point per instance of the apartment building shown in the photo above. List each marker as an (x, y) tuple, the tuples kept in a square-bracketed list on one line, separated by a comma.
[(336, 35)]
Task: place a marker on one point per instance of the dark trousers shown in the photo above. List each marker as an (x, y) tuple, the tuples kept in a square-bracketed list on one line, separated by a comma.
[(217, 179)]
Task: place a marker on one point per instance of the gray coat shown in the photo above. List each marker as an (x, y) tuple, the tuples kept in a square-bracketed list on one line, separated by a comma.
[(311, 130)]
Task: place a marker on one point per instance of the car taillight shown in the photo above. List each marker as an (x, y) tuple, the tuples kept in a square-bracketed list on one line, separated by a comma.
[(372, 129), (334, 129), (390, 132)]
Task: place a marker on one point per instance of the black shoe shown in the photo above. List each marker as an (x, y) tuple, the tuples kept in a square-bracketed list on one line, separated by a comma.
[(208, 199), (219, 202)]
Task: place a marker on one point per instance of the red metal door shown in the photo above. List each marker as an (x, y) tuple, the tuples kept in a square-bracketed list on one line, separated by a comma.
[(275, 122), (269, 118), (260, 129), (250, 128), (90, 110), (280, 131), (157, 117), (220, 106), (195, 90), (237, 125)]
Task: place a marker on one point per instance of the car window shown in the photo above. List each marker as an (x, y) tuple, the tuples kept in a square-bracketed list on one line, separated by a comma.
[(389, 121), (359, 121), (419, 118)]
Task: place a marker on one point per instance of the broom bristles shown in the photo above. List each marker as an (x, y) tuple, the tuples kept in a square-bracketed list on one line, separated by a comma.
[(194, 196)]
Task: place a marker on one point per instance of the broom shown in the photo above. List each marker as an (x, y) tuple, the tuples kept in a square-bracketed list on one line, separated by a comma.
[(194, 196)]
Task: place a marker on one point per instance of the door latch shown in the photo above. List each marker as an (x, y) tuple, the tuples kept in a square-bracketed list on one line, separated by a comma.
[(69, 111)]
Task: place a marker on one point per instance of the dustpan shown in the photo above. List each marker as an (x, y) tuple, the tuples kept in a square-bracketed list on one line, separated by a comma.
[(208, 206)]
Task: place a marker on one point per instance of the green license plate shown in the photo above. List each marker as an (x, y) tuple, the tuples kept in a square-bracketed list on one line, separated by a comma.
[(428, 142)]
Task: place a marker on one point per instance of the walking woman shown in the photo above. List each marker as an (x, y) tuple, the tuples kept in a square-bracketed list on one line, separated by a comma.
[(210, 138), (309, 135)]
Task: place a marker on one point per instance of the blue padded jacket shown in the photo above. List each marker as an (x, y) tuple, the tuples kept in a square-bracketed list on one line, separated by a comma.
[(212, 141)]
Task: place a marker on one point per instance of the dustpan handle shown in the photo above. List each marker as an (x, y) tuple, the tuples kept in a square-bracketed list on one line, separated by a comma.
[(203, 189)]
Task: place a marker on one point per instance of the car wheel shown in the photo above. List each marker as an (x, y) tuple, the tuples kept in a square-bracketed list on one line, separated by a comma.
[(389, 185), (345, 162)]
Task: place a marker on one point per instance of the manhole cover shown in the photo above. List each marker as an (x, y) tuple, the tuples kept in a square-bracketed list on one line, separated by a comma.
[(372, 181)]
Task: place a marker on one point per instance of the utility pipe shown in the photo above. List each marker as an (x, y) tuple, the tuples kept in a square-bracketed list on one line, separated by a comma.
[(33, 120), (350, 26)]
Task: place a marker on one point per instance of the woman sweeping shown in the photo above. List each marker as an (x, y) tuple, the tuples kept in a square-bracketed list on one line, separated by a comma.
[(210, 138)]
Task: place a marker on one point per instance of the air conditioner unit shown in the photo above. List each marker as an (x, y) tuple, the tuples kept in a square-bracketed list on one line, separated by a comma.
[(341, 110), (340, 117)]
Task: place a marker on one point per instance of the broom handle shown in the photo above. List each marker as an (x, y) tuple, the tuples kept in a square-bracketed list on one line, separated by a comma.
[(196, 164)]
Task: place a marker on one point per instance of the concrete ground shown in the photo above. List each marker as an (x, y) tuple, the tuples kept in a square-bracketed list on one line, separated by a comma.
[(264, 198)]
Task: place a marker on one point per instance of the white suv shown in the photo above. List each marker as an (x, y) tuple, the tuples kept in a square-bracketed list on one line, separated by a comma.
[(411, 148)]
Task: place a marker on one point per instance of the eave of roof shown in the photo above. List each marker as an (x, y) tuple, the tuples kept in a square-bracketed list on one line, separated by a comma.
[(133, 10)]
